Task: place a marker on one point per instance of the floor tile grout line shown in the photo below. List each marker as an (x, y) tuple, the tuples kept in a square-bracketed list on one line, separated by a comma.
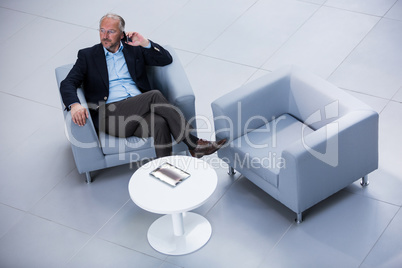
[(12, 207), (224, 194), (28, 213), (391, 100), (252, 75), (197, 55), (356, 11), (275, 245), (192, 60), (94, 236), (38, 68), (15, 149), (385, 229), (370, 31), (167, 19), (47, 61), (261, 66), (371, 198), (19, 11), (308, 2), (172, 16), (290, 37), (229, 25), (323, 5), (167, 262), (26, 25), (200, 53), (50, 191), (18, 221), (354, 49), (91, 237), (38, 16), (396, 101), (393, 97), (396, 1), (16, 33), (30, 100), (371, 95), (53, 19)]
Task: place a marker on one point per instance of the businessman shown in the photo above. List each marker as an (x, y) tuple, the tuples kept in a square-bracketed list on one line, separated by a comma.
[(120, 98)]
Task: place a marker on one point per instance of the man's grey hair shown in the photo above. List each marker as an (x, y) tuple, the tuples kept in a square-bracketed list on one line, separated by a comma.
[(122, 23)]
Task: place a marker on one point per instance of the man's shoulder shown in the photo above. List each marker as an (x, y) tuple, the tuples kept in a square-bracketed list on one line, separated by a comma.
[(94, 48)]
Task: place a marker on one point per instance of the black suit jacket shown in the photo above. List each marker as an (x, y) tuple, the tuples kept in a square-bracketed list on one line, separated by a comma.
[(90, 72)]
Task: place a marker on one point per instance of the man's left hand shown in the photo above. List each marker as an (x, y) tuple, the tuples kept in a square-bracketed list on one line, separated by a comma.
[(137, 39)]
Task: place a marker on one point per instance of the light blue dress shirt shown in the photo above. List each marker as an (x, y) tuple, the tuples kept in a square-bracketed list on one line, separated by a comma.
[(121, 85)]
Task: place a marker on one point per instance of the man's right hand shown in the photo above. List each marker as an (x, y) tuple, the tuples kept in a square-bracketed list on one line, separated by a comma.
[(79, 114), (137, 39)]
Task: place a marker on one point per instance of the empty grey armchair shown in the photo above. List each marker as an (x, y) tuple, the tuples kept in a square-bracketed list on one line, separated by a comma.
[(94, 151), (297, 137)]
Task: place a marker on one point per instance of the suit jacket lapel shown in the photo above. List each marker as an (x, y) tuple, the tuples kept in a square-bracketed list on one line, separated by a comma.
[(129, 55), (100, 61)]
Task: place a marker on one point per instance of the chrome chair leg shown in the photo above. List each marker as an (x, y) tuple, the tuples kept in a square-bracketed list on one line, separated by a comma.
[(231, 171), (299, 218), (365, 182), (88, 177)]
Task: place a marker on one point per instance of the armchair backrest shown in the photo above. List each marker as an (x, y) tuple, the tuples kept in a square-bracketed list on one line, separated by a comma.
[(317, 102), (291, 90), (172, 81), (250, 106)]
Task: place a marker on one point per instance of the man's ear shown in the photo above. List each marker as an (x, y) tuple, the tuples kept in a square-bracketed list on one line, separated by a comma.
[(123, 36)]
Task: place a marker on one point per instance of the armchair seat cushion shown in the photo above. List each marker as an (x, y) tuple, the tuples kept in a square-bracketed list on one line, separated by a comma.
[(115, 145), (261, 149)]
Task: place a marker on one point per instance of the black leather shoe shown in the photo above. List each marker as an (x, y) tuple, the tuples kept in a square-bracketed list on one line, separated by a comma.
[(205, 147)]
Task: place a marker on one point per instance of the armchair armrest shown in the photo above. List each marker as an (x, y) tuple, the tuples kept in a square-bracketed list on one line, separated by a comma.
[(330, 158), (84, 141)]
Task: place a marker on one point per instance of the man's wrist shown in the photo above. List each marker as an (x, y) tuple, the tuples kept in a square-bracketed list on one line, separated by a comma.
[(149, 45), (73, 104)]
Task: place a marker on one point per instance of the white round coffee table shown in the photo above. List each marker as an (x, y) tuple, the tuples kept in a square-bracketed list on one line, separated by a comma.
[(179, 232)]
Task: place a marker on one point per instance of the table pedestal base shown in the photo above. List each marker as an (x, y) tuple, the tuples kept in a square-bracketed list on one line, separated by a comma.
[(197, 232)]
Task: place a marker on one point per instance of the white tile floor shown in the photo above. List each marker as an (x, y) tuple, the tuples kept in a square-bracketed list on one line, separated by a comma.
[(50, 218)]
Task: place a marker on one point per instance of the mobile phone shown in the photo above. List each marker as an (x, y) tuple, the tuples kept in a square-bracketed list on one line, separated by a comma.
[(126, 38)]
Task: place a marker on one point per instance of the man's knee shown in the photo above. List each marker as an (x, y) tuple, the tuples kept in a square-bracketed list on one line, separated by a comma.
[(155, 92), (157, 96)]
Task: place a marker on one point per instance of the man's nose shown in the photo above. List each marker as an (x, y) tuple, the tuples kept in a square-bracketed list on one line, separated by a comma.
[(105, 33)]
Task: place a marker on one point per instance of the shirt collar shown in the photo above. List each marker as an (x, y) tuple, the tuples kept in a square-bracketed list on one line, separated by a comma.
[(108, 53)]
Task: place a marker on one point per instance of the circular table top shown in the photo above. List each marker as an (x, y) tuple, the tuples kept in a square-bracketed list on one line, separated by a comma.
[(156, 196)]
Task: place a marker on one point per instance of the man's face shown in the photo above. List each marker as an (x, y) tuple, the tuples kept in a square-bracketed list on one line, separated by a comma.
[(110, 34)]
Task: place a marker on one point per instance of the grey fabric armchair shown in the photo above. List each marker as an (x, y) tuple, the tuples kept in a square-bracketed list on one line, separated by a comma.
[(297, 137), (93, 151)]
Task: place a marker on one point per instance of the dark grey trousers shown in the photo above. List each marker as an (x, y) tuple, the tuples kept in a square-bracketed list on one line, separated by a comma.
[(148, 115)]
